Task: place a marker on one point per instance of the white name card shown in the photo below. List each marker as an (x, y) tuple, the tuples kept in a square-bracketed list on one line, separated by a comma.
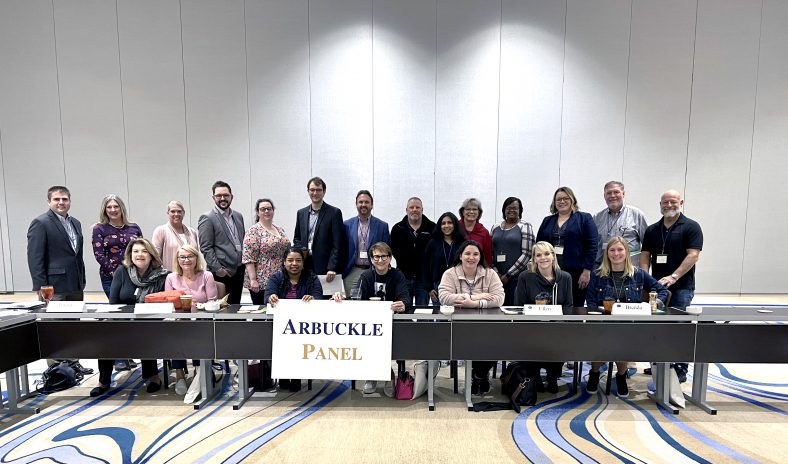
[(542, 310), (631, 309), (66, 307), (153, 308)]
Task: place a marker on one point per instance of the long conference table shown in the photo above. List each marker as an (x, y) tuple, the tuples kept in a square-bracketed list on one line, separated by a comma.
[(719, 334)]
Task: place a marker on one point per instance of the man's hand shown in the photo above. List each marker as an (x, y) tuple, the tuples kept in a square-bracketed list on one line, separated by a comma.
[(585, 277), (398, 307), (330, 276)]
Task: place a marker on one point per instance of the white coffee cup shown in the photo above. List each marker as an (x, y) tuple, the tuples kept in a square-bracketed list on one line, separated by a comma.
[(212, 306), (447, 310)]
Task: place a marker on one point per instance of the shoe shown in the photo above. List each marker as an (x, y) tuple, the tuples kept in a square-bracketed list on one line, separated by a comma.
[(295, 385), (132, 364), (181, 387), (284, 384), (388, 389), (484, 386), (621, 385), (80, 368), (592, 385), (122, 365), (370, 386), (98, 391), (153, 387), (681, 371), (552, 385), (647, 371)]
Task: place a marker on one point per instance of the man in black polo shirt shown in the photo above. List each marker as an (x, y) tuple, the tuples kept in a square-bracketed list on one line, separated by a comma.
[(671, 247), (409, 238)]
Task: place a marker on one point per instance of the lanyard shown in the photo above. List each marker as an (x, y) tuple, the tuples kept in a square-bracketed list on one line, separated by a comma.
[(665, 235)]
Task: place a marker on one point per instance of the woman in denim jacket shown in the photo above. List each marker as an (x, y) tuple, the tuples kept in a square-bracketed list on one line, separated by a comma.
[(618, 279)]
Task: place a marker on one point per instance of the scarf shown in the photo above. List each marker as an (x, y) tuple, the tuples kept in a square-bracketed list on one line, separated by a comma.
[(148, 283)]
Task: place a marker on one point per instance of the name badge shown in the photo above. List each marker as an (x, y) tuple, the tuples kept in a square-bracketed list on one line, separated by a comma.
[(662, 259), (500, 258), (238, 247), (362, 254), (631, 309), (559, 250), (543, 310)]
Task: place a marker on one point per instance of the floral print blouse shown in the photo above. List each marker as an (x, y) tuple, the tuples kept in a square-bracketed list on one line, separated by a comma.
[(109, 244), (265, 250)]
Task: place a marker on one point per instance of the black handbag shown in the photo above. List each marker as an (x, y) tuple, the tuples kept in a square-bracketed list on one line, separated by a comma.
[(520, 389), (59, 377)]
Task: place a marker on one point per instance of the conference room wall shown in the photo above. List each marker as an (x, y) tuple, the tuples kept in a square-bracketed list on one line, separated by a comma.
[(263, 84)]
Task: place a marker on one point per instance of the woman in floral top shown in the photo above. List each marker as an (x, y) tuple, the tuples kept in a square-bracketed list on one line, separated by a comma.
[(264, 247), (111, 235)]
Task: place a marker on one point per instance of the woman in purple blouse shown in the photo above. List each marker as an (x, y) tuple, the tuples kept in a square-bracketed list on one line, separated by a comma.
[(111, 235)]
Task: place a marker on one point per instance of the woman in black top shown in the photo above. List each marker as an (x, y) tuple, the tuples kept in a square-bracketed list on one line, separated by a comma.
[(440, 251), (140, 275)]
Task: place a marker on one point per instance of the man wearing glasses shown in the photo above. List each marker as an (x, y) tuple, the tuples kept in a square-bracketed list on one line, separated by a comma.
[(621, 220), (221, 232), (319, 229)]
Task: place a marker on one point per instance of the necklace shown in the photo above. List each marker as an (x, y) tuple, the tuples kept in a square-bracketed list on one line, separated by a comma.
[(618, 290)]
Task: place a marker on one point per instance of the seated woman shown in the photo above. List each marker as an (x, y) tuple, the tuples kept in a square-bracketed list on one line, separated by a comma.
[(140, 275), (544, 281), (617, 278), (189, 276), (292, 282), (383, 282), (469, 283)]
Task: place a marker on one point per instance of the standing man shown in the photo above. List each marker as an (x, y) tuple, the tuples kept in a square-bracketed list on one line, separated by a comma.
[(54, 252), (621, 220), (320, 230), (671, 247), (362, 232), (409, 238), (221, 234)]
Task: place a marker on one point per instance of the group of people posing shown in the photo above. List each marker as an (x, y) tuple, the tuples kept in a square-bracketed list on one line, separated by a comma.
[(574, 258)]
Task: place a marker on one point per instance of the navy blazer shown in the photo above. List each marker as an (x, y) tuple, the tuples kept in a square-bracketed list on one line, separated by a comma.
[(329, 240), (580, 239), (378, 232), (50, 257)]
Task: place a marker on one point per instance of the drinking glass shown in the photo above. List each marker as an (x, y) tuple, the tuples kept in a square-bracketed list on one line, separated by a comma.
[(47, 292)]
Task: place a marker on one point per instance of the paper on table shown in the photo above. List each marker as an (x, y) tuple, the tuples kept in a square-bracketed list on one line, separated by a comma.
[(103, 308), (329, 288), (22, 305), (12, 312), (422, 311)]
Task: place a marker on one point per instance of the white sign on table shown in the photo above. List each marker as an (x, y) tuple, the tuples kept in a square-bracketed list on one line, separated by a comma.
[(328, 340), (543, 310), (631, 309), (66, 307)]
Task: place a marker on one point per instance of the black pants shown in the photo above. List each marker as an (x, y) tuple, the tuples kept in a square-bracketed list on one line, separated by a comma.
[(481, 369), (578, 294), (234, 284), (553, 369), (258, 297), (150, 368)]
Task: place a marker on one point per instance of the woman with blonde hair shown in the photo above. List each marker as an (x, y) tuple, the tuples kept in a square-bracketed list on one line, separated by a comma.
[(111, 235), (168, 237)]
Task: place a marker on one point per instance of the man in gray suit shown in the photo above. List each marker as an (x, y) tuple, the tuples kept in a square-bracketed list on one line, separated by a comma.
[(221, 231), (54, 251)]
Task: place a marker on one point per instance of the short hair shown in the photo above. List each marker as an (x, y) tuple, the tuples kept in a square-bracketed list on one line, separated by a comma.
[(414, 198), (456, 235), (467, 203), (199, 265), (221, 183), (381, 246), (463, 246), (257, 207), (606, 268), (104, 218), (317, 181), (175, 203), (542, 247), (613, 182), (508, 202), (365, 192), (572, 197), (57, 188), (155, 260)]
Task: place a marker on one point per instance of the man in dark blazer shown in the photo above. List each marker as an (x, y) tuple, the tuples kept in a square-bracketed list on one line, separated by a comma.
[(362, 232), (319, 229), (54, 252), (221, 232)]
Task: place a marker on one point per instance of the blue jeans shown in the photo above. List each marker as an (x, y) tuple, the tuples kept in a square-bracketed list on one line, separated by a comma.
[(681, 298), (417, 290), (106, 283)]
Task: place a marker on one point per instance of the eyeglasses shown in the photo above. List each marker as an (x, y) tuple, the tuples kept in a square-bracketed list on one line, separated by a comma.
[(265, 210), (314, 190), (222, 196), (380, 257), (186, 258), (563, 200)]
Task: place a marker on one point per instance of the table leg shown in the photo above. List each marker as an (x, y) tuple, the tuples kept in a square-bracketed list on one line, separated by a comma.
[(700, 379), (662, 395), (16, 393), (431, 385), (244, 392), (207, 389), (468, 376)]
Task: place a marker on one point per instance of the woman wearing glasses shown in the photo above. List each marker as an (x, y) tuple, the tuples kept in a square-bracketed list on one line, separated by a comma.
[(573, 235), (470, 214), (471, 284), (189, 276), (264, 246)]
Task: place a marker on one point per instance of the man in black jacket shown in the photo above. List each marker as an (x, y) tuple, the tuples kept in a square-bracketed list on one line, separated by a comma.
[(409, 238), (320, 230)]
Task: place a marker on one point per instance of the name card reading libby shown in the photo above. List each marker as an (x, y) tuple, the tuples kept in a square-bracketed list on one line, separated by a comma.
[(328, 340), (631, 309), (542, 310)]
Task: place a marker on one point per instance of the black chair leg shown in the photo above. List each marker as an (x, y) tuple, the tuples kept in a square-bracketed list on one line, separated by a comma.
[(453, 372), (609, 377)]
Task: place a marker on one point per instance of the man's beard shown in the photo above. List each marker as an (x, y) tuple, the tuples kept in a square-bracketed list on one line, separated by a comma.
[(670, 213)]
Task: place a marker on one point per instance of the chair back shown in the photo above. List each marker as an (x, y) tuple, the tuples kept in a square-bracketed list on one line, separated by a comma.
[(221, 290)]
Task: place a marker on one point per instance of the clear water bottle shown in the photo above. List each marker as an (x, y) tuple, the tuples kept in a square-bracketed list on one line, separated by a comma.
[(652, 301)]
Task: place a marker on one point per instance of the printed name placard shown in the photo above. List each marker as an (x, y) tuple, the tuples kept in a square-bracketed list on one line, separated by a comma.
[(154, 308), (329, 340), (631, 309), (543, 310), (66, 307)]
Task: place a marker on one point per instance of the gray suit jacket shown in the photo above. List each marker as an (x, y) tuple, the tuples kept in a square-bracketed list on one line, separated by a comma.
[(50, 257), (216, 243)]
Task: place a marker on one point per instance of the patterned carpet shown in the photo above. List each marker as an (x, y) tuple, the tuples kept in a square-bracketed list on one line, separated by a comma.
[(333, 424)]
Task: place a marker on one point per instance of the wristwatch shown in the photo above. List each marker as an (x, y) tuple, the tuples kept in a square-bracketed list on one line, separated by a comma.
[(675, 276)]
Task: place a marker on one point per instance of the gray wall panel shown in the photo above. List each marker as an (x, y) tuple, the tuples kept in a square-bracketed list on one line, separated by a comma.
[(30, 134), (277, 34), (720, 141), (766, 272), (217, 129)]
